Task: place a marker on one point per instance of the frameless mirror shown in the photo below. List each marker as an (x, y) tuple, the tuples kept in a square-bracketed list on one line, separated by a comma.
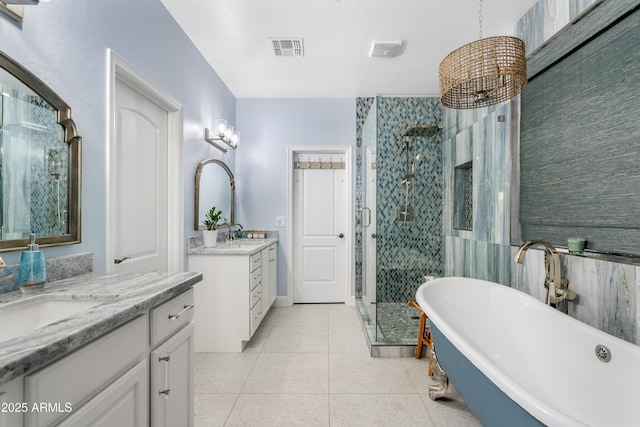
[(215, 186), (39, 162)]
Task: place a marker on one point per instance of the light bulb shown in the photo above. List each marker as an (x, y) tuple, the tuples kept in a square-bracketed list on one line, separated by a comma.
[(235, 139), (221, 127), (228, 134)]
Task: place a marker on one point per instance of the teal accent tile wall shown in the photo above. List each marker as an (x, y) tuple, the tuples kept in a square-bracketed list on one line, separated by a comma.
[(407, 250), (607, 291)]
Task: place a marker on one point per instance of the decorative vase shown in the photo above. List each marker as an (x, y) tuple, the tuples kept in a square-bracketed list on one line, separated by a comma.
[(209, 238)]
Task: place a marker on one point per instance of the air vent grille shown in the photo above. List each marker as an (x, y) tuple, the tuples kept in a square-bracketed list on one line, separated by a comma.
[(385, 49), (288, 47)]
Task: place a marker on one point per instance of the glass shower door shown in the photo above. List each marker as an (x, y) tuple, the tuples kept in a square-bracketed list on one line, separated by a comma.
[(369, 229)]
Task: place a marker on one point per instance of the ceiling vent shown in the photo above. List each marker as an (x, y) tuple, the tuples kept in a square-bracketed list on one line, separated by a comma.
[(385, 49), (287, 47)]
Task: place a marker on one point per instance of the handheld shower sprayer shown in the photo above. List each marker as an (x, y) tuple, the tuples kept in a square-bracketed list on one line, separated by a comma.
[(414, 162)]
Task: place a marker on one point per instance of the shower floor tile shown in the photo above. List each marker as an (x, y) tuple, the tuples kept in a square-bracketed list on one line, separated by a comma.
[(398, 323)]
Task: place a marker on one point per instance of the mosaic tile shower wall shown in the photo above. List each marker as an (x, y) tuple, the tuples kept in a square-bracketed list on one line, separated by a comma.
[(49, 168), (407, 249), (34, 194)]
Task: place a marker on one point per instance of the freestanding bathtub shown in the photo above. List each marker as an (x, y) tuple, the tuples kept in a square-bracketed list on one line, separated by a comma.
[(518, 362)]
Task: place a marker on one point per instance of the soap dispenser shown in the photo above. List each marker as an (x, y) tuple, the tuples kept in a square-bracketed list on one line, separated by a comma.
[(32, 273)]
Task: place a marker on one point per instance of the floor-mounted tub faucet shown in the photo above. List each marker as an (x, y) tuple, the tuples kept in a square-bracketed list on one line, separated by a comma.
[(558, 288)]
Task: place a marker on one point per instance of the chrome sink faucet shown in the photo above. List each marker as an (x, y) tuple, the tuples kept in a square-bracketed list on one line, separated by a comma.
[(231, 236), (558, 288)]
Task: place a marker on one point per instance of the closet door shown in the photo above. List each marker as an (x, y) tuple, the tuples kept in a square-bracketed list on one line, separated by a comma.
[(321, 215)]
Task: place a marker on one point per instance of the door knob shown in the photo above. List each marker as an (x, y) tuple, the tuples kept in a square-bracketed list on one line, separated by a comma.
[(118, 261), (341, 235)]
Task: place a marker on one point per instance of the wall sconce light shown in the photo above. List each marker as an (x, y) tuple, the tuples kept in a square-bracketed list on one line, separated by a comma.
[(224, 138)]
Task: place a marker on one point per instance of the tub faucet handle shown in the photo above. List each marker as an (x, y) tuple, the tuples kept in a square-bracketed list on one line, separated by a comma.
[(565, 294)]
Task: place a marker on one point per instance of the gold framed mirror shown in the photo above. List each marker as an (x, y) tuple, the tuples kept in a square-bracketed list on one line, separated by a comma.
[(40, 162), (215, 186)]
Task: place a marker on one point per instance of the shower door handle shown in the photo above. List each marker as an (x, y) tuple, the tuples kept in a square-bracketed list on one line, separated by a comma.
[(368, 216)]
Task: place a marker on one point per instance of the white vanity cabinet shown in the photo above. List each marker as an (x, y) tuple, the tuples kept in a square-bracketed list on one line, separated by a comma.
[(172, 363), (236, 292), (12, 410), (122, 403), (256, 294), (92, 376), (269, 266), (138, 375)]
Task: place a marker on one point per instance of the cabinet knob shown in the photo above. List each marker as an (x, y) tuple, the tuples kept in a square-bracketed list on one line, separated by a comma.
[(164, 358)]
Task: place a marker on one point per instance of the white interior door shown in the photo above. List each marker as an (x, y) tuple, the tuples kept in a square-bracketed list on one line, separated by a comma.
[(320, 226), (139, 183)]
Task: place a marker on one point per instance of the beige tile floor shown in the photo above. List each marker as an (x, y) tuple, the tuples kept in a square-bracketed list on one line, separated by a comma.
[(308, 365)]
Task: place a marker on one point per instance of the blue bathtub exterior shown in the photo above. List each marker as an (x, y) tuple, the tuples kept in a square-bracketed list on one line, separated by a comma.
[(491, 406)]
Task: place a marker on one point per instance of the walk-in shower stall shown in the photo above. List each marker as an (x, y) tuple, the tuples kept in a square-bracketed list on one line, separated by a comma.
[(399, 223)]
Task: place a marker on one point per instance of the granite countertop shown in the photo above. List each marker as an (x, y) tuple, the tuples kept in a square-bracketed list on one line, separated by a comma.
[(236, 247), (125, 296)]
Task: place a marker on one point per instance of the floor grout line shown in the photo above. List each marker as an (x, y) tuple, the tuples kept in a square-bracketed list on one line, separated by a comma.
[(342, 402)]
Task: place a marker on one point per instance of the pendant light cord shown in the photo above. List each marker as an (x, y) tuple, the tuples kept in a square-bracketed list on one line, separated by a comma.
[(480, 18)]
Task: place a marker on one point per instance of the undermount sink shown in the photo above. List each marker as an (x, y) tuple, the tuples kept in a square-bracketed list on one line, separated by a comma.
[(241, 243), (246, 244), (23, 317)]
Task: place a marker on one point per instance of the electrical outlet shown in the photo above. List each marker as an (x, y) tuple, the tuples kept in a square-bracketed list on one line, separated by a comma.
[(281, 221)]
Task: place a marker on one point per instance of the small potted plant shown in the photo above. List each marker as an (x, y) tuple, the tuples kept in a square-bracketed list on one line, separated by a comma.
[(211, 219)]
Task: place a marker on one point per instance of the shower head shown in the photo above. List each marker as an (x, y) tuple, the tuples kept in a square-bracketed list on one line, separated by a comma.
[(423, 130)]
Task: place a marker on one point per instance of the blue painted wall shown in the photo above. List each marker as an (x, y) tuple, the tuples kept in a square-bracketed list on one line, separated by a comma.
[(268, 127), (65, 44)]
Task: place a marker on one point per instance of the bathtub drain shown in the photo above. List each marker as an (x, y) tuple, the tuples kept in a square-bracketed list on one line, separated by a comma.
[(603, 353)]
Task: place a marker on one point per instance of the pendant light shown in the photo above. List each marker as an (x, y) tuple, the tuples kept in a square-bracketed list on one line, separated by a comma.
[(484, 72)]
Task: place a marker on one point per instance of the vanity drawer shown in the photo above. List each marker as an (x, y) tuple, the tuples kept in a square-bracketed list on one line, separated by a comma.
[(255, 260), (256, 317), (256, 293), (171, 316), (256, 278)]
